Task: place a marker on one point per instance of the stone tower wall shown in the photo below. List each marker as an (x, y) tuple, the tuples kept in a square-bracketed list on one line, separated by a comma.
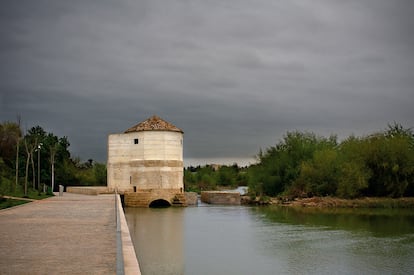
[(146, 160)]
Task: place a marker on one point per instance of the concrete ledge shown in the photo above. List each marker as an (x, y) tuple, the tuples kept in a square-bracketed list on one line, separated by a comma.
[(156, 163), (220, 197), (130, 261), (88, 190), (191, 198)]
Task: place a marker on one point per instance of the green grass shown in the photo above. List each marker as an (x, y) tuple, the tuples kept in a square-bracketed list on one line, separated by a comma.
[(31, 193), (6, 203), (19, 193)]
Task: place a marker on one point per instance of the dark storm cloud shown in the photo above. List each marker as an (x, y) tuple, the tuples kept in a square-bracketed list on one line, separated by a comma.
[(235, 75)]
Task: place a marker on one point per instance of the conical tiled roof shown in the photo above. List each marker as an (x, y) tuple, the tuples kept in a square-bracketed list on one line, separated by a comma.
[(154, 123)]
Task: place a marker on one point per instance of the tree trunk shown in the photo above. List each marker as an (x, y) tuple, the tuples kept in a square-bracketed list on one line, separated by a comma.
[(53, 176), (27, 167), (27, 172), (53, 150), (33, 170), (17, 165)]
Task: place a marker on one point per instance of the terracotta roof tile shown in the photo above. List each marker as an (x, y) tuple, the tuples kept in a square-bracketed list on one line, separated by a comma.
[(154, 123)]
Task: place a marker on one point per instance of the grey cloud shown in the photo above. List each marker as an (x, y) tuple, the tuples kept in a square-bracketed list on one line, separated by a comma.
[(235, 75)]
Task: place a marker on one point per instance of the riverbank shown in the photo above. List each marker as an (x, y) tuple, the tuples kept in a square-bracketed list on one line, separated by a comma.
[(333, 202)]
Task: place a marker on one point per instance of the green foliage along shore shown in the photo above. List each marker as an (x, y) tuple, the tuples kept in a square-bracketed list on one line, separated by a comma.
[(211, 177), (303, 164), (24, 152), (306, 165)]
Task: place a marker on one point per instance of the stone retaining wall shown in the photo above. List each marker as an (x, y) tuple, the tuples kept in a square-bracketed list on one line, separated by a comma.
[(143, 198)]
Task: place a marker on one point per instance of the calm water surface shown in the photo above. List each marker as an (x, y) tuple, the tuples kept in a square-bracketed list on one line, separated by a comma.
[(272, 240)]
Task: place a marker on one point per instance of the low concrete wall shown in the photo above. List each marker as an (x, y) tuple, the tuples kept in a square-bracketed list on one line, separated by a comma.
[(88, 190), (191, 198), (129, 258), (220, 197)]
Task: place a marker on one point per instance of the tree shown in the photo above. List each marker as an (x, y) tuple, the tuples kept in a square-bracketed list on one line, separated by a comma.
[(354, 174), (30, 144), (10, 135), (397, 130), (352, 181), (227, 175), (320, 175), (279, 166), (390, 159), (53, 150), (100, 173), (39, 135)]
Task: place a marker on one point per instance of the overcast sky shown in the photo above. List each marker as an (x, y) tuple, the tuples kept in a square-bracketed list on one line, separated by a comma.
[(235, 75)]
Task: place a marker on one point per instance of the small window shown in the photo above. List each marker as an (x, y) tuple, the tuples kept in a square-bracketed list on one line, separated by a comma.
[(136, 141)]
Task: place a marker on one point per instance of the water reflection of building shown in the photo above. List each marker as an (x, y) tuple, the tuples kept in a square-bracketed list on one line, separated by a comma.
[(154, 232)]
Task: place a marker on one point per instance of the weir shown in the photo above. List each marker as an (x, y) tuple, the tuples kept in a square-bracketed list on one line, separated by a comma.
[(221, 197)]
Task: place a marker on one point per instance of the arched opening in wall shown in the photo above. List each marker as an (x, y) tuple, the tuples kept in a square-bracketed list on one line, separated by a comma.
[(160, 203)]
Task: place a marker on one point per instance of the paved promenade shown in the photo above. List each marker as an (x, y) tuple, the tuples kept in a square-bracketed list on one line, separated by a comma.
[(72, 234)]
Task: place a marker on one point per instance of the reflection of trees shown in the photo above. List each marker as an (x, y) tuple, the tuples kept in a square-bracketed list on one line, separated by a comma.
[(379, 222)]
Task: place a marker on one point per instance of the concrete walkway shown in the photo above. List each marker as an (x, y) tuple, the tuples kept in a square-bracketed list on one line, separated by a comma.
[(72, 234)]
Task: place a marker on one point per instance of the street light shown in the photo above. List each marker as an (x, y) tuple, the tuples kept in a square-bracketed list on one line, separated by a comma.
[(39, 146)]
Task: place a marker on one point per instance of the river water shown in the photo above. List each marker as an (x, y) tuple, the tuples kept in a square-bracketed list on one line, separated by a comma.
[(272, 240)]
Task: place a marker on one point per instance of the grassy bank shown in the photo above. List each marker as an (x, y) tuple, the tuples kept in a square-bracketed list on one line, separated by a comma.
[(6, 203), (332, 202), (32, 194)]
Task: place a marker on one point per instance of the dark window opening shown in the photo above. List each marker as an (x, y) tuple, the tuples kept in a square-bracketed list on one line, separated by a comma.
[(136, 141)]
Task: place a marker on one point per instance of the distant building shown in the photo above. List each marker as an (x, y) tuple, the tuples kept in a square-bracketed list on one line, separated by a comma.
[(215, 167), (147, 159)]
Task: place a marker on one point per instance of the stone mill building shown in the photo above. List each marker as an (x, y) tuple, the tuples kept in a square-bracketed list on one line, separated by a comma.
[(145, 163)]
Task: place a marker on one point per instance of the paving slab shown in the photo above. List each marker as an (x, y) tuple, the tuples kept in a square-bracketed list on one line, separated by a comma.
[(71, 234)]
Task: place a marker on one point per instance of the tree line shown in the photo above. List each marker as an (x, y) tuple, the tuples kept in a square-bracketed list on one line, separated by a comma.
[(38, 160), (303, 164), (211, 177)]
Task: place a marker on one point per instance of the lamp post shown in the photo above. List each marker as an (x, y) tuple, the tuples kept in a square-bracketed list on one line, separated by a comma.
[(38, 164)]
